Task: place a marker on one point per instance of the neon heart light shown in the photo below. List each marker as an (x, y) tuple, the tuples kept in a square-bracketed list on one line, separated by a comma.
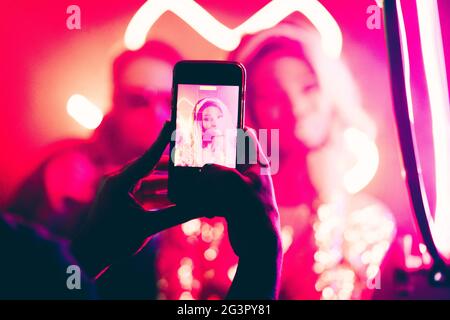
[(228, 39), (221, 36)]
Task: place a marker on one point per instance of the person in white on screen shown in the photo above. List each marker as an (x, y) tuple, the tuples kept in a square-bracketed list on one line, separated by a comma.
[(211, 139)]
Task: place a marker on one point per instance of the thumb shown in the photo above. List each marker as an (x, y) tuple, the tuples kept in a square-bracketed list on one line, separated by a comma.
[(139, 168)]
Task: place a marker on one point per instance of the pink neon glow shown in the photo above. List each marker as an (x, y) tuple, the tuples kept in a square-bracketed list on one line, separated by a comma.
[(434, 64), (228, 39), (406, 63), (366, 151), (379, 3), (433, 60)]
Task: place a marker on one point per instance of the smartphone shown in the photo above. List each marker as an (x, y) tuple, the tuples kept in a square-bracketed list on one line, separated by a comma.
[(208, 110)]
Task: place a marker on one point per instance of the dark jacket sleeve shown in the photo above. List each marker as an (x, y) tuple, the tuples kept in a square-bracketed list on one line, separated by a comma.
[(37, 266)]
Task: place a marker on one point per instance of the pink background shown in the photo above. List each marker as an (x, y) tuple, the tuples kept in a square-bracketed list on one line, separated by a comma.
[(43, 63)]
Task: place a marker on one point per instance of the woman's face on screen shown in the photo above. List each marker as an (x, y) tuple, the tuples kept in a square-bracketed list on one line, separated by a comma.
[(213, 121)]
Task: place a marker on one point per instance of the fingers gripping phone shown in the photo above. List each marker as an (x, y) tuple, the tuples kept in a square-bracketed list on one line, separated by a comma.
[(207, 108)]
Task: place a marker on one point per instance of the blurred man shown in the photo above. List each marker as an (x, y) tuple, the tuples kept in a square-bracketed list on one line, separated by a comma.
[(59, 193)]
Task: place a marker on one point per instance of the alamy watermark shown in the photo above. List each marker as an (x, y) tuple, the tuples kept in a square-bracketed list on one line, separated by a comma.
[(73, 21), (74, 279), (375, 17), (261, 147)]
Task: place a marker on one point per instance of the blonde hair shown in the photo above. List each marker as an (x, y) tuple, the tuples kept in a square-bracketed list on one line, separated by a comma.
[(190, 151)]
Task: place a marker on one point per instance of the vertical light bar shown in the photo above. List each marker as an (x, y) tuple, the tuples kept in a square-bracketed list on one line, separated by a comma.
[(406, 63), (436, 78)]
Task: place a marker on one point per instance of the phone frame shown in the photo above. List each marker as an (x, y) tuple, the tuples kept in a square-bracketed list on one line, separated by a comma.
[(200, 72)]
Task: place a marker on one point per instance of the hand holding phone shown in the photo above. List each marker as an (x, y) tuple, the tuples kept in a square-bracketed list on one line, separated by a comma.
[(208, 108), (118, 225), (246, 199)]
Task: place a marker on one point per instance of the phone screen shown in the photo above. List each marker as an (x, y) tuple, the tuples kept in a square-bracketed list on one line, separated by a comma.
[(206, 125)]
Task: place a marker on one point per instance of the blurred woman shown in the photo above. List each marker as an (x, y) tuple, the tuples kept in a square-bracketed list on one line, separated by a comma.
[(334, 235)]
